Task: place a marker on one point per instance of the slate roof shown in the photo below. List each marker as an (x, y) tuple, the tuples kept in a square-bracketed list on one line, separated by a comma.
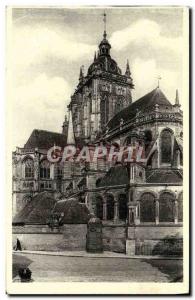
[(164, 176), (73, 211), (143, 104), (37, 211), (43, 139), (117, 175)]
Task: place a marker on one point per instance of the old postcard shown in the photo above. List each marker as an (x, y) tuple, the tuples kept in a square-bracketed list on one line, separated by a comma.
[(98, 150)]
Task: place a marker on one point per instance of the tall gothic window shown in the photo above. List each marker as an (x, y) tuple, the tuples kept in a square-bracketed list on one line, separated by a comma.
[(166, 207), (45, 169), (104, 108), (180, 208), (110, 207), (28, 168), (122, 207), (147, 208), (118, 105), (147, 138), (166, 146)]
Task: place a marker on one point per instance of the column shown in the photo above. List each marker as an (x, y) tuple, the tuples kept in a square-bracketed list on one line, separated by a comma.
[(176, 212), (137, 219), (131, 215), (157, 211), (116, 211), (104, 209), (178, 159), (52, 171)]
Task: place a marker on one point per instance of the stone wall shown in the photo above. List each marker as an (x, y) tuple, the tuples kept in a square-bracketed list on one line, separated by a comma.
[(154, 232), (43, 238), (142, 240), (74, 236), (67, 237), (114, 238)]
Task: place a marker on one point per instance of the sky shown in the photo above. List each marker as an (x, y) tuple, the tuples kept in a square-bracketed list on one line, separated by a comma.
[(47, 46)]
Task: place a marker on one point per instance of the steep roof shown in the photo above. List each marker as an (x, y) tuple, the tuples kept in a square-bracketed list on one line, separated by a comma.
[(164, 176), (143, 104), (117, 175), (43, 139), (72, 211), (37, 211)]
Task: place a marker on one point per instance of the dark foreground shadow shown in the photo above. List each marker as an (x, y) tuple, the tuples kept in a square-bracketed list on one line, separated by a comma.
[(172, 268), (19, 261)]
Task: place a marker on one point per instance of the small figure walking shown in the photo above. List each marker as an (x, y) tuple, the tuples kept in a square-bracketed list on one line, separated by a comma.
[(18, 245)]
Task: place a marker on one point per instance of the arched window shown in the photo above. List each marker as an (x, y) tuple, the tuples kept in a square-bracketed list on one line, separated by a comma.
[(118, 105), (110, 207), (122, 207), (166, 146), (99, 208), (166, 207), (147, 138), (180, 208), (45, 169), (28, 168), (147, 208)]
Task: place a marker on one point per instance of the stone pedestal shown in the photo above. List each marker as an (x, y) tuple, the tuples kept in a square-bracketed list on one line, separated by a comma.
[(94, 242)]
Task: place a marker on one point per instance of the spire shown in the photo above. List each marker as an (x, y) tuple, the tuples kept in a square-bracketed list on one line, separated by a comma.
[(81, 74), (70, 137), (104, 46), (177, 98), (128, 72)]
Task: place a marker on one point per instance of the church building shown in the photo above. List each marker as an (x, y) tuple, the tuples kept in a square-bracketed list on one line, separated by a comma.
[(141, 202)]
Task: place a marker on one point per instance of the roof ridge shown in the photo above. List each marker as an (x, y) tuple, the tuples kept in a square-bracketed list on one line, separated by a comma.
[(49, 131)]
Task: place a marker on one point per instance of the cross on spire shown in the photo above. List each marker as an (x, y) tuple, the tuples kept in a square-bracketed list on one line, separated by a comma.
[(104, 20), (159, 78)]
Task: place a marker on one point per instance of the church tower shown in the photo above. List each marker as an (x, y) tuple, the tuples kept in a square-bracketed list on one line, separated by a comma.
[(100, 94)]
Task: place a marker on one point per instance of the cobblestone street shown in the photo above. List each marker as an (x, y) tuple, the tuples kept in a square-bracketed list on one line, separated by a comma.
[(61, 268)]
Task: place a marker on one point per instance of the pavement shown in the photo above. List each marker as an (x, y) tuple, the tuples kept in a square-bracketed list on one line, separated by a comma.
[(79, 266), (105, 254)]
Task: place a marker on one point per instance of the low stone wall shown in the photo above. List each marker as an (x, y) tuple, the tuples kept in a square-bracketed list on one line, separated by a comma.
[(154, 232), (147, 240), (67, 237), (74, 236), (114, 238), (140, 240), (43, 238)]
